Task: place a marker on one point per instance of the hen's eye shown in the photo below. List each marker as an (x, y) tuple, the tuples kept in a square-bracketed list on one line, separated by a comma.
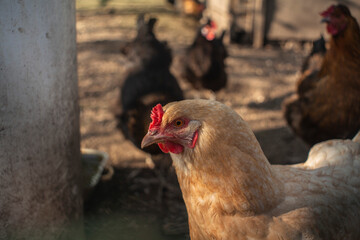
[(178, 123)]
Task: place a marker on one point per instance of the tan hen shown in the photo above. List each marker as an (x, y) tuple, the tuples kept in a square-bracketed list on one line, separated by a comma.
[(232, 192)]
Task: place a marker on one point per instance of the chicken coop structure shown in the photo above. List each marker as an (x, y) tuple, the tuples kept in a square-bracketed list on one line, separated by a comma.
[(254, 21)]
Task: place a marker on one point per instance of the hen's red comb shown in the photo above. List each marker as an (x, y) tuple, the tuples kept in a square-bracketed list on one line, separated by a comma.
[(156, 116), (328, 11)]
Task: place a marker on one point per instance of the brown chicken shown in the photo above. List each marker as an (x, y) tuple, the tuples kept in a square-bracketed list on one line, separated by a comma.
[(327, 102), (232, 192)]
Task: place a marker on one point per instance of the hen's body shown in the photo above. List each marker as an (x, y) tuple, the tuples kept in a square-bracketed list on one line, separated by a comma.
[(302, 204), (232, 192), (147, 83), (204, 63), (329, 107)]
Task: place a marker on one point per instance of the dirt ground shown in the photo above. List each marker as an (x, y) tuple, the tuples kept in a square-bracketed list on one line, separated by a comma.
[(139, 202)]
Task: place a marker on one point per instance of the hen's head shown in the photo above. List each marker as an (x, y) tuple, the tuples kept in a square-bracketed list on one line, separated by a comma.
[(196, 126), (145, 28), (173, 127), (209, 30), (336, 18)]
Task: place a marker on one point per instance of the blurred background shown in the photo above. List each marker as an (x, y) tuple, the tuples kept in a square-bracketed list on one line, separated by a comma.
[(266, 41)]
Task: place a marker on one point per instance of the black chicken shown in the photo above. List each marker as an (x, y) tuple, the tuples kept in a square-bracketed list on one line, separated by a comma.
[(317, 53), (147, 83), (204, 63), (312, 66)]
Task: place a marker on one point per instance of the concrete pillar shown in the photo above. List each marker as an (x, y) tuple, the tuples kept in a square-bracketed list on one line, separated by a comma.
[(40, 195)]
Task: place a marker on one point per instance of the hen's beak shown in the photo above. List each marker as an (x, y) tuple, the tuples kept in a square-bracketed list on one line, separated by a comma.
[(151, 138), (325, 20)]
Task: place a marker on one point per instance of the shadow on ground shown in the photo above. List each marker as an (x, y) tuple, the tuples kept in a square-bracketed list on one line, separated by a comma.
[(128, 207)]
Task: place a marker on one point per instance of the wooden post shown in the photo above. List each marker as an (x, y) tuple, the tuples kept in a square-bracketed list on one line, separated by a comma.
[(39, 121), (259, 23)]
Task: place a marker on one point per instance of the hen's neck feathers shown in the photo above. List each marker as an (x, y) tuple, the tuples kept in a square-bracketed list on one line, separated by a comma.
[(245, 176), (349, 38)]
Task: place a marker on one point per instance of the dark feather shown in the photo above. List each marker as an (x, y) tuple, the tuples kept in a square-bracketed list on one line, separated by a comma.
[(204, 64)]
